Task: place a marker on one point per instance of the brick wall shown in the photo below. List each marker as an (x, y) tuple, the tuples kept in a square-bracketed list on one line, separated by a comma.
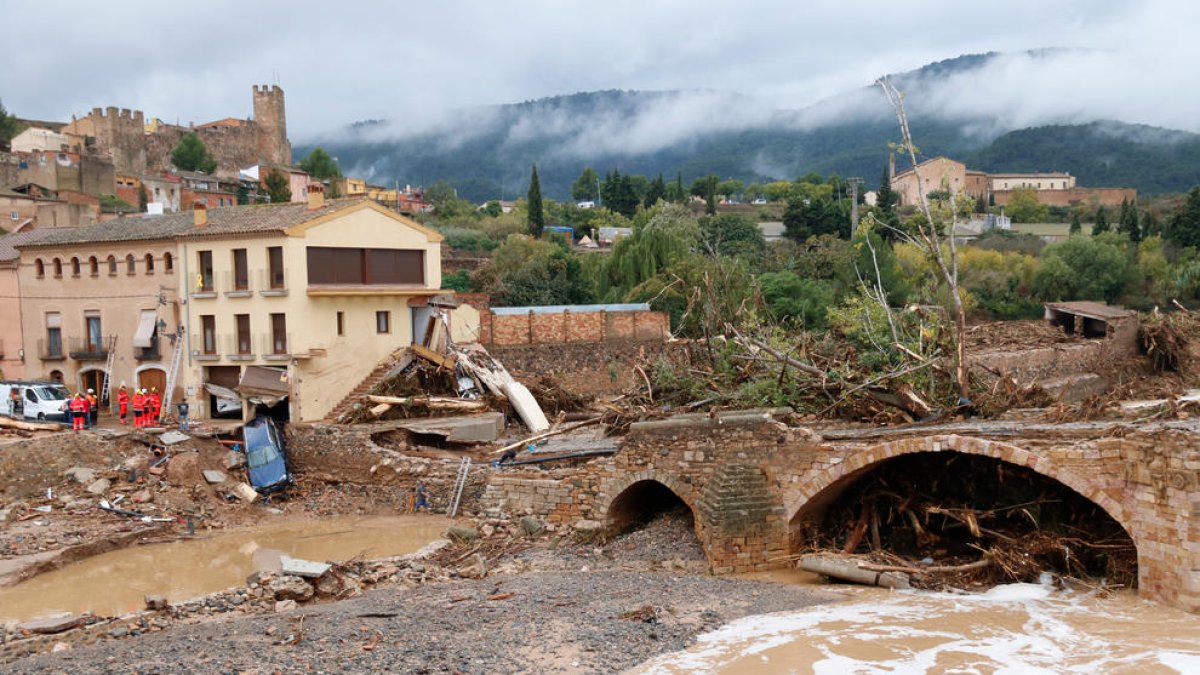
[(569, 326), (1106, 196)]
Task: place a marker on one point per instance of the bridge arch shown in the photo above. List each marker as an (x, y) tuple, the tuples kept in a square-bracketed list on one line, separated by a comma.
[(624, 495), (823, 487)]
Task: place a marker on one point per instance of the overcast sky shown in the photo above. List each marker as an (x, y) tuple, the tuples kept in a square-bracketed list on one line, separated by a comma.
[(409, 61)]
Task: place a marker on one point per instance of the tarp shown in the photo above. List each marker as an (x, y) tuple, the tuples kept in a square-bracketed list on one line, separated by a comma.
[(144, 335)]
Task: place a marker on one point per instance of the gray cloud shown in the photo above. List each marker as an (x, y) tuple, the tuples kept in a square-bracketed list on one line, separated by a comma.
[(412, 63)]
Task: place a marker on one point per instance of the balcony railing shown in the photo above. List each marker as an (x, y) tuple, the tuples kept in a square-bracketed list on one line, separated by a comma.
[(234, 287), (51, 350), (91, 349), (147, 353)]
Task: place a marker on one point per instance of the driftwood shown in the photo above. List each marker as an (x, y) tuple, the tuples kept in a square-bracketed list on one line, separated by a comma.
[(380, 409), (431, 402), (28, 426), (849, 569), (523, 442)]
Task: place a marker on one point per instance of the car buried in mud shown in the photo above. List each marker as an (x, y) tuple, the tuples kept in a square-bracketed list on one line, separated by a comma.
[(266, 461)]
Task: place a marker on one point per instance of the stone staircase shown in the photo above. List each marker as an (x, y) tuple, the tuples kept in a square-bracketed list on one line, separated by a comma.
[(390, 366)]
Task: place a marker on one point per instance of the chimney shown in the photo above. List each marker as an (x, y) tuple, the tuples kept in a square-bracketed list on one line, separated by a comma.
[(199, 214), (316, 197)]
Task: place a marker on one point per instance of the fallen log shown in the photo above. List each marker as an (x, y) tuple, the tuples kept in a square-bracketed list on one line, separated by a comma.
[(380, 409), (848, 569), (932, 569), (522, 443), (29, 426), (431, 402)]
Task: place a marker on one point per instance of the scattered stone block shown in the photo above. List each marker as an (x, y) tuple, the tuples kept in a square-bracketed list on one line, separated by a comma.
[(245, 492), (532, 526), (234, 460), (81, 474), (214, 477), (173, 437), (54, 624), (100, 486), (284, 605), (307, 569), (462, 533), (585, 525), (291, 588), (156, 602), (475, 568)]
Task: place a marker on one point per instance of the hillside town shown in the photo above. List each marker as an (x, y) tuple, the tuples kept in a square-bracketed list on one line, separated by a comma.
[(257, 414)]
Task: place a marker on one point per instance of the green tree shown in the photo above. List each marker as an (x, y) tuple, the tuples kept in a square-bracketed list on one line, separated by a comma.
[(792, 298), (191, 155), (537, 215), (320, 165), (886, 198), (9, 126), (277, 187), (1083, 269), (1023, 207), (706, 188), (812, 217), (586, 188), (1150, 225), (524, 271), (730, 188), (1101, 223), (1183, 228), (655, 191), (1076, 224), (619, 194), (1127, 222), (143, 198), (731, 235), (753, 191), (980, 204)]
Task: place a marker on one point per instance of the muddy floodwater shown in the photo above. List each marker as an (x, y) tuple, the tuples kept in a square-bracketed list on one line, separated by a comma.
[(1018, 628), (114, 583)]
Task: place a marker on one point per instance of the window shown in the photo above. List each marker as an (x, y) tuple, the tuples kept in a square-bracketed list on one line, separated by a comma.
[(75, 267), (339, 266), (95, 340), (168, 263), (39, 268), (93, 266), (275, 263), (241, 272), (130, 265), (208, 328), (112, 266), (243, 333), (57, 268), (383, 322), (149, 263), (205, 280), (341, 323), (15, 215), (279, 334), (53, 334)]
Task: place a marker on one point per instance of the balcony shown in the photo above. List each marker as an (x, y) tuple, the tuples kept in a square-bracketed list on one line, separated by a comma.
[(239, 347), (271, 283), (91, 349), (234, 287), (51, 350), (147, 353)]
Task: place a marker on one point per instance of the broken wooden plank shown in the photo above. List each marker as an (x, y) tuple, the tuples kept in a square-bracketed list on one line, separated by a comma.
[(443, 361), (431, 402)]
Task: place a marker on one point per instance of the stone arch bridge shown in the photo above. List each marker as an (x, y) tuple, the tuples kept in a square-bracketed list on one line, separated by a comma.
[(748, 476)]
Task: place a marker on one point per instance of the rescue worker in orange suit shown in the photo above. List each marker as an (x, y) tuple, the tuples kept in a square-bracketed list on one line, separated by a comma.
[(155, 407), (78, 411), (123, 403), (93, 408), (139, 408)]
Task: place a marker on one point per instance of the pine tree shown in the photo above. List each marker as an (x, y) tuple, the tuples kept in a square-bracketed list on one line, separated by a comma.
[(192, 155), (1101, 224), (656, 191), (277, 187), (1150, 227), (1128, 222), (1076, 224), (537, 215), (1184, 226)]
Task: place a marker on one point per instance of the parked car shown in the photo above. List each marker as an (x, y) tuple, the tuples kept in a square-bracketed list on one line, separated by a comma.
[(39, 400), (266, 462)]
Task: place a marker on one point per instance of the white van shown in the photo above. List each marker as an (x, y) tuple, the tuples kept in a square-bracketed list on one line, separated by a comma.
[(42, 401)]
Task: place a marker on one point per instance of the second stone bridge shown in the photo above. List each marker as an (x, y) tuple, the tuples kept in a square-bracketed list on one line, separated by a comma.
[(751, 482)]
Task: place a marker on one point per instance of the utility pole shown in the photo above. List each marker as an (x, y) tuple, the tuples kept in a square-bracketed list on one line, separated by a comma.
[(854, 183)]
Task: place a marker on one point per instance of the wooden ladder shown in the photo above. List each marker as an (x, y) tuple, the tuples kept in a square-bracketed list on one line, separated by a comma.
[(460, 483)]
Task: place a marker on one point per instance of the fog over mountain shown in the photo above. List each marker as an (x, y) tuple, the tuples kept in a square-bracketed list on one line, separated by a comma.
[(967, 107)]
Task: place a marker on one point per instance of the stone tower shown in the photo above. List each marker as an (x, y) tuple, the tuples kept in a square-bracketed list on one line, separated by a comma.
[(271, 122)]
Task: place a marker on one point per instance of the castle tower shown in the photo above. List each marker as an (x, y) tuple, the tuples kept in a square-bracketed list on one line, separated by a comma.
[(271, 122)]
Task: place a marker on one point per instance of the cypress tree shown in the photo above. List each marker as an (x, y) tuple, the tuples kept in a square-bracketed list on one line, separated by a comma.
[(537, 216), (1101, 224), (1076, 224), (1128, 222)]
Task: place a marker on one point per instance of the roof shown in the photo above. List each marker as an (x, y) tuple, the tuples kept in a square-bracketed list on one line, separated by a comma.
[(1092, 310), (9, 242), (928, 161), (221, 221)]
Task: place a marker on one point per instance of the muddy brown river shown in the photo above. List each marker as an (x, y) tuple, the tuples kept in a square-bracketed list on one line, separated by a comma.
[(116, 582), (1017, 629)]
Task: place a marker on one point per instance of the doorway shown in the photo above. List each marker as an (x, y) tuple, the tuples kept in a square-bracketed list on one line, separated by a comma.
[(153, 378), (94, 380)]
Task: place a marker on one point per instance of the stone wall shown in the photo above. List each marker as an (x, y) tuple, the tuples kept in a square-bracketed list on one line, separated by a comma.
[(1109, 197), (577, 326), (582, 368)]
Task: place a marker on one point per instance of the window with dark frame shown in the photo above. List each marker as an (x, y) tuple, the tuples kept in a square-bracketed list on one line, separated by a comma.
[(130, 264), (112, 265), (279, 341), (208, 327), (53, 334), (243, 333), (168, 263), (241, 271), (206, 271), (275, 267), (149, 263), (94, 266), (57, 264), (331, 266), (75, 267), (383, 322), (341, 323)]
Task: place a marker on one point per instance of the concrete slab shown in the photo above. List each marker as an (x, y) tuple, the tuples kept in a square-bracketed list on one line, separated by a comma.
[(173, 437), (246, 492), (481, 428), (214, 476), (302, 568), (54, 624)]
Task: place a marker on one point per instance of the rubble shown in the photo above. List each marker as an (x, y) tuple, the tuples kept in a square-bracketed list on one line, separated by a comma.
[(302, 568), (213, 477), (173, 438)]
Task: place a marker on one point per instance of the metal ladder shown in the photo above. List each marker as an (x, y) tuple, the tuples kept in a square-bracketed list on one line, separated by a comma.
[(172, 374), (460, 483), (107, 382)]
